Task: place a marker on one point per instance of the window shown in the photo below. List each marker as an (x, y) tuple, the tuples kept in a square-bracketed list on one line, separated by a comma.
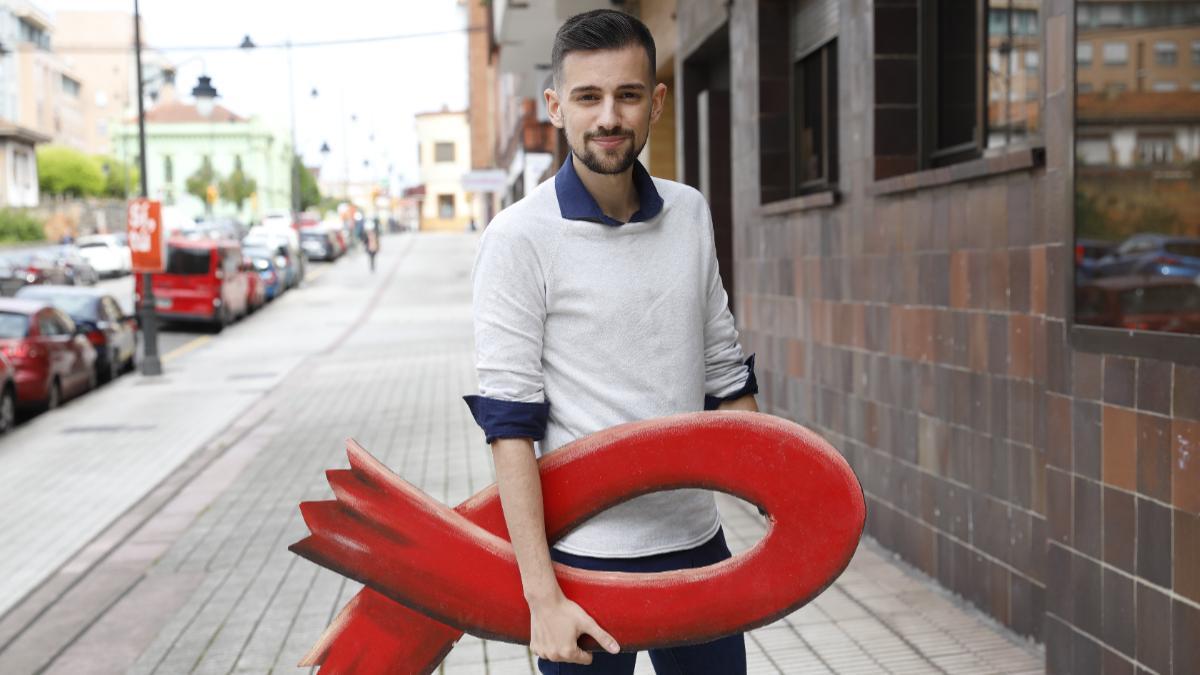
[(965, 116), (443, 152), (1196, 52), (168, 169), (1136, 237), (1084, 87), (1116, 53), (1166, 53), (1152, 150), (1083, 54), (813, 111), (814, 119), (70, 86), (445, 206)]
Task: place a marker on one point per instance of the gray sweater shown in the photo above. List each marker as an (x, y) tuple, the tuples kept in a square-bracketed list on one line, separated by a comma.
[(608, 325)]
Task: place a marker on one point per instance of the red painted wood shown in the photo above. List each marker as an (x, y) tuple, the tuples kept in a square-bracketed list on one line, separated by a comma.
[(432, 572)]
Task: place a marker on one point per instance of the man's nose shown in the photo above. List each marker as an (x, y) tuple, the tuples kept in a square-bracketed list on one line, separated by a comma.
[(609, 119)]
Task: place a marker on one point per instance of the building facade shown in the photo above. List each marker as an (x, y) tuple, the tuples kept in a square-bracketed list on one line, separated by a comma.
[(974, 282), (904, 209), (107, 71), (444, 144), (179, 139), (38, 89)]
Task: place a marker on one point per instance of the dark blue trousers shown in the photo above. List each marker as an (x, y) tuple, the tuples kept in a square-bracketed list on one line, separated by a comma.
[(726, 656)]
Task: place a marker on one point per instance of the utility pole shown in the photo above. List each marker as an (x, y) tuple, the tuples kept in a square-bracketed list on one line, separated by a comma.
[(151, 365), (295, 154)]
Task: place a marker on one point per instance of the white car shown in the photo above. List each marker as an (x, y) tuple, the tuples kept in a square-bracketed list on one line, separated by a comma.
[(106, 254)]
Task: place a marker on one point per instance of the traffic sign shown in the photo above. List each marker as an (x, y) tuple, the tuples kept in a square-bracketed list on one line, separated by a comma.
[(145, 235)]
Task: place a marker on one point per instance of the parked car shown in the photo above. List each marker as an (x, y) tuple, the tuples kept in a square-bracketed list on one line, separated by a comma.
[(1135, 302), (8, 395), (290, 259), (256, 289), (79, 271), (37, 266), (97, 313), (263, 260), (318, 244), (1088, 252), (12, 278), (1152, 255), (53, 358), (204, 281), (107, 254)]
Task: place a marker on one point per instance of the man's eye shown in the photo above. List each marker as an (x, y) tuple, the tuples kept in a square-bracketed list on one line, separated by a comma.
[(630, 96), (588, 97)]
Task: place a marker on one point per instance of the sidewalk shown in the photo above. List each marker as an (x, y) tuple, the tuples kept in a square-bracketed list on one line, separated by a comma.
[(200, 580)]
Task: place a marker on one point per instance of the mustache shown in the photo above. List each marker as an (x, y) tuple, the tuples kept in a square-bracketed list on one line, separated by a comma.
[(602, 132)]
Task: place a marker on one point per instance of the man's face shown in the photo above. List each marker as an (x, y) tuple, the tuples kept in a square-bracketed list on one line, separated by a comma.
[(605, 102)]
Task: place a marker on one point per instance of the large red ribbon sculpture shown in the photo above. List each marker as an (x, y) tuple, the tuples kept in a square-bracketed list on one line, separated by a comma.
[(432, 572)]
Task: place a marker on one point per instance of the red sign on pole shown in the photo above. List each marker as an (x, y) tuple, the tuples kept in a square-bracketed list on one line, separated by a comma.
[(145, 235)]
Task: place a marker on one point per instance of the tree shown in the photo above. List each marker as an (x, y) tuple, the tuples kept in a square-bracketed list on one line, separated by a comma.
[(310, 193), (238, 187), (200, 181), (68, 172), (120, 179)]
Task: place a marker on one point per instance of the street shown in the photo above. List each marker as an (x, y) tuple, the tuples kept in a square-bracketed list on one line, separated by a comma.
[(156, 540)]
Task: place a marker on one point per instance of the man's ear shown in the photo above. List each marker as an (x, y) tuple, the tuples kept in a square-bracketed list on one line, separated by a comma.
[(656, 102), (553, 107)]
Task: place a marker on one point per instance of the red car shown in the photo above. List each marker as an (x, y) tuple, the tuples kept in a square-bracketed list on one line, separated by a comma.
[(53, 359), (205, 280), (1135, 302), (256, 288)]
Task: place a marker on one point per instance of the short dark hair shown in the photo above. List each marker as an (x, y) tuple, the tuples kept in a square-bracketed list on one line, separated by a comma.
[(600, 29)]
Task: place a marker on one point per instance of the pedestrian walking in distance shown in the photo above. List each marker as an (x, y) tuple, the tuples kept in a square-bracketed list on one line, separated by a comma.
[(372, 243), (597, 302)]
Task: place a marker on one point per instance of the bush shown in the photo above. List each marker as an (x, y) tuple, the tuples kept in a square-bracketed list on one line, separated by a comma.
[(18, 226), (66, 171)]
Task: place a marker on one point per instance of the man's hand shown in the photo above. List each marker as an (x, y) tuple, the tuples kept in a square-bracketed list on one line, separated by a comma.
[(555, 625)]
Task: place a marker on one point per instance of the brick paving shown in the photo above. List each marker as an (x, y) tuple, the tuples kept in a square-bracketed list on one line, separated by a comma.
[(225, 595)]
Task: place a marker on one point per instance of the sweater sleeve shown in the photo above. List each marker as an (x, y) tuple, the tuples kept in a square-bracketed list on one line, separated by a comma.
[(728, 375), (509, 313)]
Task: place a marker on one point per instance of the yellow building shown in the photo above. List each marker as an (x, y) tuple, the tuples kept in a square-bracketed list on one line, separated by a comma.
[(444, 140)]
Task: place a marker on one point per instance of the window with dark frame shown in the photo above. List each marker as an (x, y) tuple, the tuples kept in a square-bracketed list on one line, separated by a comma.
[(443, 152), (814, 101), (981, 73)]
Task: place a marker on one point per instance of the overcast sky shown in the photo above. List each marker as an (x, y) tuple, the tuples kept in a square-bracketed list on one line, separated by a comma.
[(384, 84)]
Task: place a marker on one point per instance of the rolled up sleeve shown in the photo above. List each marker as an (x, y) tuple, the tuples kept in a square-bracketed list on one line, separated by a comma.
[(509, 312)]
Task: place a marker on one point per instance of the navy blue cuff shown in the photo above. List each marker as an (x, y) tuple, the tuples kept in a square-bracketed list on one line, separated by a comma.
[(751, 387), (509, 419)]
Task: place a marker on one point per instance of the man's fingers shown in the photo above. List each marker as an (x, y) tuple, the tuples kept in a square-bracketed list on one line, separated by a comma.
[(606, 641)]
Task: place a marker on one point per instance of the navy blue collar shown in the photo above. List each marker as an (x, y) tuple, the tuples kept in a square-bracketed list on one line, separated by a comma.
[(576, 203)]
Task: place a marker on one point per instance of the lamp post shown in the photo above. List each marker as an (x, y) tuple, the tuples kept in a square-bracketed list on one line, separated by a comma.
[(293, 161), (151, 365)]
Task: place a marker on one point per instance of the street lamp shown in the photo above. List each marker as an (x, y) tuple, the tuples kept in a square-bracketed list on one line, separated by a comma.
[(205, 95), (248, 44)]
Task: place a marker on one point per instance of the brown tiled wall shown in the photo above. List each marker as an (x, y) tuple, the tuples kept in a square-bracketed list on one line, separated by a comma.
[(925, 334)]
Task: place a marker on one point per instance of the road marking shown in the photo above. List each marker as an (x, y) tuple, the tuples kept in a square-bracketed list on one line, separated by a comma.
[(312, 276), (191, 345)]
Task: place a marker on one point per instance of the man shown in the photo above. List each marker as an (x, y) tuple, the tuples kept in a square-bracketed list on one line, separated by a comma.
[(597, 302)]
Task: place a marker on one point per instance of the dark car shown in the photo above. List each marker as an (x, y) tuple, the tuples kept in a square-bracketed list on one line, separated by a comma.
[(53, 358), (38, 266), (99, 316), (318, 244), (8, 395), (1151, 255), (1170, 304)]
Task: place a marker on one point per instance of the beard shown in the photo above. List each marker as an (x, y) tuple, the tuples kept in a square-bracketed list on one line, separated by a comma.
[(609, 162)]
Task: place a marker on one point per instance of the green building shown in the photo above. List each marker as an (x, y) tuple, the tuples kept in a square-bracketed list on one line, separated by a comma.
[(180, 136)]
